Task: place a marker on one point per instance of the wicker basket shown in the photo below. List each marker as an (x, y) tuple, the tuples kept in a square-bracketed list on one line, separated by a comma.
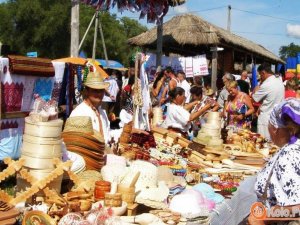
[(128, 194), (50, 129), (113, 200)]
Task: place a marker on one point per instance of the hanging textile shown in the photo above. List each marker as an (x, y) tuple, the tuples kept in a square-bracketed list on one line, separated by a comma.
[(43, 87), (67, 92), (59, 68), (11, 134), (11, 95), (254, 82), (141, 102), (27, 100)]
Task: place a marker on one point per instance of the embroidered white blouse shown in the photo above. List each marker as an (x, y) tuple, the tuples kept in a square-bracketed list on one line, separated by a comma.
[(177, 117)]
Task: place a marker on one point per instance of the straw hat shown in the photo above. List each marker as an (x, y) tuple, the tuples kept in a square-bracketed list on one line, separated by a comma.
[(209, 92), (95, 81), (76, 138), (82, 125)]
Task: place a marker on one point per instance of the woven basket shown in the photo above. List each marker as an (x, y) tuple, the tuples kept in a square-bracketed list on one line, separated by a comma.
[(51, 129), (113, 200), (128, 193), (41, 147), (37, 162)]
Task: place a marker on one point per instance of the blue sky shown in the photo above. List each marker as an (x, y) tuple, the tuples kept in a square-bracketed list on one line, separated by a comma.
[(280, 25), (281, 20)]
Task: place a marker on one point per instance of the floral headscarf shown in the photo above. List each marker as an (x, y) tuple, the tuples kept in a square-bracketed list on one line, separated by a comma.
[(289, 107)]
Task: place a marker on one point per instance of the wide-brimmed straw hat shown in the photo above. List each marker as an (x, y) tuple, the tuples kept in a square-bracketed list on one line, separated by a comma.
[(82, 126), (76, 138), (95, 81)]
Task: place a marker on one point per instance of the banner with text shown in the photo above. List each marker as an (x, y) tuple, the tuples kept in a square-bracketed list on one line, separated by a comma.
[(192, 66)]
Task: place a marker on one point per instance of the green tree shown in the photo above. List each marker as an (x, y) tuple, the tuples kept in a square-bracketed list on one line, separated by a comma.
[(36, 25), (44, 26), (290, 50)]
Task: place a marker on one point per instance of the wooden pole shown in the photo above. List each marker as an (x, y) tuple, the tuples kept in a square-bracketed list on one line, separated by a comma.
[(103, 44), (95, 35), (214, 69), (86, 32), (74, 48), (229, 18), (159, 44)]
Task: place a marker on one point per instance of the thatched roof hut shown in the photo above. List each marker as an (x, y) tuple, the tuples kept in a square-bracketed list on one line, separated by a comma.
[(189, 35)]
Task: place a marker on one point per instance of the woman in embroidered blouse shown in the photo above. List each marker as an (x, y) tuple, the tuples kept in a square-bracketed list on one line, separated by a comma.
[(238, 107), (278, 183), (178, 118)]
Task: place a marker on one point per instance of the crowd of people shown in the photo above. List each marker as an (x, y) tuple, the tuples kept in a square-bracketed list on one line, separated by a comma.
[(185, 102)]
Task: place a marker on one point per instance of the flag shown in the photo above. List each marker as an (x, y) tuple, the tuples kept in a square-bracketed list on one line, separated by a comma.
[(254, 77)]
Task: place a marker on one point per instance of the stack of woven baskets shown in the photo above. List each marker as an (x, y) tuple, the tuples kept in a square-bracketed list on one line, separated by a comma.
[(80, 138), (41, 144), (210, 133)]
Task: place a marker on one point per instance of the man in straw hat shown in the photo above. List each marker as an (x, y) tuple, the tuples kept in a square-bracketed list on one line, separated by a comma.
[(94, 90)]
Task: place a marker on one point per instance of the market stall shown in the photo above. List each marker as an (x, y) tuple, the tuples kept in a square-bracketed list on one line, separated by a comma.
[(65, 176), (160, 172)]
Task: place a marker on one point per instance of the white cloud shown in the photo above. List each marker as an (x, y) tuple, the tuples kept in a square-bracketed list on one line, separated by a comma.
[(181, 9), (293, 30)]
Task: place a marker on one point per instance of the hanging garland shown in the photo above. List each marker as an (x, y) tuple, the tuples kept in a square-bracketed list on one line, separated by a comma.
[(154, 9)]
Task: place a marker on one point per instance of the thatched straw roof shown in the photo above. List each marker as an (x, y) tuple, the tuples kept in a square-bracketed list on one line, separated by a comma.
[(188, 34)]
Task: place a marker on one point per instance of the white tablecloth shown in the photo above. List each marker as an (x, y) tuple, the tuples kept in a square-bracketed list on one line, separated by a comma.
[(234, 210)]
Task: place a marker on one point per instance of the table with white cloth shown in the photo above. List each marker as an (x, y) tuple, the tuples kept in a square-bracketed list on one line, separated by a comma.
[(235, 209)]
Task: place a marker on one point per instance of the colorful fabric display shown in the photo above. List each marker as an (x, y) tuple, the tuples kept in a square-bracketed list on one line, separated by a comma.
[(43, 87)]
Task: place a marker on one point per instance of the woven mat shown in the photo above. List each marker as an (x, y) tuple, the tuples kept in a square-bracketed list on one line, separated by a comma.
[(31, 66)]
